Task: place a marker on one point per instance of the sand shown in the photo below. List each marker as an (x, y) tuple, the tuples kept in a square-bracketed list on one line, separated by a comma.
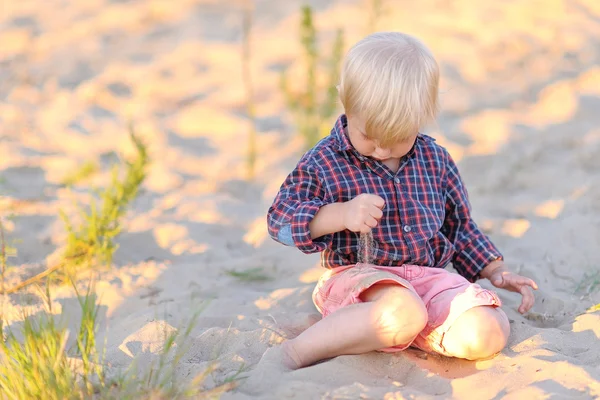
[(521, 102)]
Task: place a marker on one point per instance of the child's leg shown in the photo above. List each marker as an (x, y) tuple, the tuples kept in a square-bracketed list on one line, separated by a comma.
[(391, 315), (479, 333)]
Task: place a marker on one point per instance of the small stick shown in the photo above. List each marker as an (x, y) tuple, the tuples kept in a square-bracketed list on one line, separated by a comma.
[(37, 277)]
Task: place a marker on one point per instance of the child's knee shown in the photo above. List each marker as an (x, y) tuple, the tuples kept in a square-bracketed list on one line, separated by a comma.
[(399, 316), (479, 333)]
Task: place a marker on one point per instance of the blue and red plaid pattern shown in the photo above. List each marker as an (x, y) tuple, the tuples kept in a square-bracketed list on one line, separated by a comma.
[(426, 219)]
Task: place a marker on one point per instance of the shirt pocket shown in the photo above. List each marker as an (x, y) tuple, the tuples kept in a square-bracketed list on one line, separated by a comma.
[(429, 218)]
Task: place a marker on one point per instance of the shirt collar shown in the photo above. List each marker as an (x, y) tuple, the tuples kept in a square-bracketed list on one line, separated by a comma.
[(340, 134), (343, 143)]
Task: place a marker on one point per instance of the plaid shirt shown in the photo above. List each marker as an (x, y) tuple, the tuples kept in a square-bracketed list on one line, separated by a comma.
[(426, 219)]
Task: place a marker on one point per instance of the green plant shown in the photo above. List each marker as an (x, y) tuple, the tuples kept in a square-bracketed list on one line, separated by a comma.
[(93, 241), (251, 275), (34, 364), (375, 11), (589, 283), (247, 79), (160, 381), (35, 361), (86, 170), (5, 253), (312, 111)]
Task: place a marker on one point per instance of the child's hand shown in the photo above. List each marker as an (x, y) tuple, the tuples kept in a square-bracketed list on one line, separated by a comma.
[(501, 277), (363, 212)]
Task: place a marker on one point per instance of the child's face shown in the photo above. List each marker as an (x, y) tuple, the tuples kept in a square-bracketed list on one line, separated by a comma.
[(370, 148)]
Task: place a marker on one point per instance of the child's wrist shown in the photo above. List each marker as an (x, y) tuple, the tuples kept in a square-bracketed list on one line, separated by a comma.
[(492, 267)]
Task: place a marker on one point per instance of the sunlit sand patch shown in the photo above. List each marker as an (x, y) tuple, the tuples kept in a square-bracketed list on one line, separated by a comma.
[(161, 90), (312, 275), (288, 149), (162, 180), (265, 303), (588, 322), (150, 338), (532, 344), (205, 121), (10, 157), (456, 151), (454, 97), (530, 393), (57, 114), (556, 103), (206, 213), (579, 192), (490, 130), (168, 234), (189, 246), (13, 42), (550, 209), (257, 232), (10, 113), (565, 374), (7, 224), (112, 297), (592, 136), (515, 227), (487, 225), (25, 94), (592, 6), (199, 186), (58, 167)]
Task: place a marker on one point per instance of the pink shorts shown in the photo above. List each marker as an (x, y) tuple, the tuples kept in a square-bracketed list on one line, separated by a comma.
[(446, 296)]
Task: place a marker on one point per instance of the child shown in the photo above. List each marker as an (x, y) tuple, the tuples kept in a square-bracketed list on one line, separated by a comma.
[(376, 173)]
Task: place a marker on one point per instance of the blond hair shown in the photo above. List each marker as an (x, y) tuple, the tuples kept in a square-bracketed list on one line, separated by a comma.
[(390, 80)]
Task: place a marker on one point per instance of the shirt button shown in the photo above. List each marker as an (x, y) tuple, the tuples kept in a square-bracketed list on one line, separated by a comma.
[(407, 228), (397, 180)]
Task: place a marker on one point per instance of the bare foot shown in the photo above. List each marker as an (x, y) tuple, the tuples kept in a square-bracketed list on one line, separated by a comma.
[(276, 361)]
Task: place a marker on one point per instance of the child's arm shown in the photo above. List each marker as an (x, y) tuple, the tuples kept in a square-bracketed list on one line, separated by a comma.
[(476, 256), (299, 199), (304, 215), (361, 214), (329, 219), (474, 250)]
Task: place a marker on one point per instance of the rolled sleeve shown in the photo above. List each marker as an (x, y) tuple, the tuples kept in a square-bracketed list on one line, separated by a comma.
[(300, 228), (473, 249), (299, 199)]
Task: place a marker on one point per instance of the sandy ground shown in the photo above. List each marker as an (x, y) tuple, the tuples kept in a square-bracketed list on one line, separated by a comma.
[(521, 113)]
